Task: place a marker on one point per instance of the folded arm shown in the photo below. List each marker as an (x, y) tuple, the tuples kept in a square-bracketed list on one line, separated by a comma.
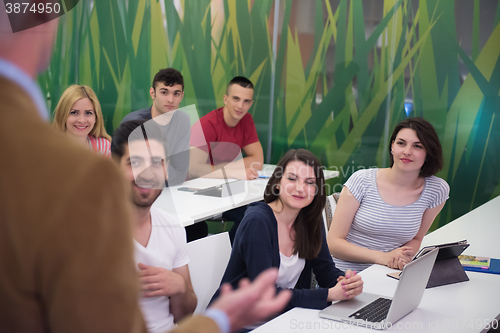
[(342, 249), (254, 159), (245, 168), (339, 229), (427, 220), (184, 303), (176, 284)]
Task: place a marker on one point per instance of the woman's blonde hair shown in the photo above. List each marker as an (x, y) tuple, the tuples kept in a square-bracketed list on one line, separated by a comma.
[(68, 98)]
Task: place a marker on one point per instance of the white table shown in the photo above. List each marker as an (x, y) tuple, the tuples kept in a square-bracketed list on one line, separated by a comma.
[(191, 208), (461, 307), (480, 227), (267, 170)]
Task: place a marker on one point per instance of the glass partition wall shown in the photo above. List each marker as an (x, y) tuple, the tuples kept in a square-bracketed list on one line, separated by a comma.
[(332, 76)]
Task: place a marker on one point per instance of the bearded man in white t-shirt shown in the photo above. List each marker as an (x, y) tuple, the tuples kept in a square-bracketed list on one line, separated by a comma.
[(160, 241)]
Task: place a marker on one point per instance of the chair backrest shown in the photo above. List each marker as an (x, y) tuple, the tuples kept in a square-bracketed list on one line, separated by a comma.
[(331, 204), (208, 258)]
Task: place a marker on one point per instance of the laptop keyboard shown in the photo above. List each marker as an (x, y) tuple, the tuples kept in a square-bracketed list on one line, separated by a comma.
[(374, 312)]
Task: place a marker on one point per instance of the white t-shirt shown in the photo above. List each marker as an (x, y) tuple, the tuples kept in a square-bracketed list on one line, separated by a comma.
[(167, 249), (289, 270)]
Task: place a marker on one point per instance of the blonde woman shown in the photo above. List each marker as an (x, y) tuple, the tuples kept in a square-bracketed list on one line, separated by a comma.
[(79, 114)]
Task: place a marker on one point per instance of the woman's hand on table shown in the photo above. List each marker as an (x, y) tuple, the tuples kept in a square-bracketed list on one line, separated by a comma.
[(347, 287)]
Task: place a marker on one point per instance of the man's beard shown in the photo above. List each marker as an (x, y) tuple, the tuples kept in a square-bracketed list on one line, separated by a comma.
[(145, 200)]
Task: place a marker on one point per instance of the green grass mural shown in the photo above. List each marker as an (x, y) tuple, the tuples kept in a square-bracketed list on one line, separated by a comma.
[(117, 46)]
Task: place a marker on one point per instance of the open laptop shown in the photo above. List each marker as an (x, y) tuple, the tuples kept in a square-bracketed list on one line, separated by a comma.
[(379, 312)]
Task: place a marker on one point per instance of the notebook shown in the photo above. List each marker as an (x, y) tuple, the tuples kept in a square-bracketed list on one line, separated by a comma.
[(494, 267), (380, 312), (474, 261)]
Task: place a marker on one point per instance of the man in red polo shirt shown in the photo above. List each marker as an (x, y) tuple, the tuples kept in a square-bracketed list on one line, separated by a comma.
[(219, 136), (217, 140)]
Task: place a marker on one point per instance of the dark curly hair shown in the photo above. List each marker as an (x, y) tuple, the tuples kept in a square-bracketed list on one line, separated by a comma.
[(169, 77)]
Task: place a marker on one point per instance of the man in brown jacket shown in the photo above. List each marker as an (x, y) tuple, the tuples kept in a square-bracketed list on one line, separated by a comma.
[(66, 253)]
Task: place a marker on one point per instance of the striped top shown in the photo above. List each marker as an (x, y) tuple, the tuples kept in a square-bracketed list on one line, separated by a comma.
[(383, 227), (100, 145)]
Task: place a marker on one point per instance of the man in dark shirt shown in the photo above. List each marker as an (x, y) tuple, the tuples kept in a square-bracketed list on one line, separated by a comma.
[(167, 92)]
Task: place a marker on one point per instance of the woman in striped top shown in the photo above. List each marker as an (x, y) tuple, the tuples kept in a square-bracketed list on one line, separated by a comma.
[(79, 114), (383, 214)]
